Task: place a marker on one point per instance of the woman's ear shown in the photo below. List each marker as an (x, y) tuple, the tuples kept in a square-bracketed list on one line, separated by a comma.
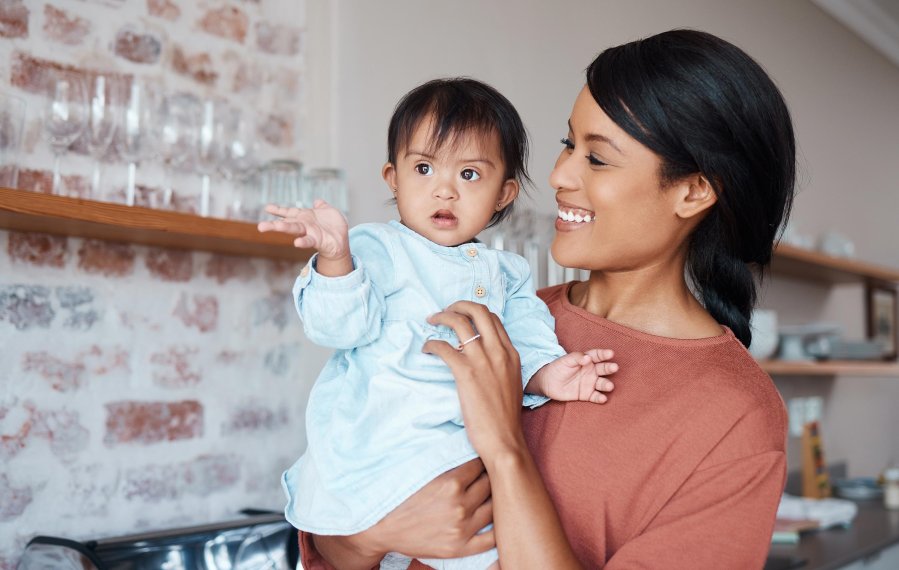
[(695, 197), (508, 194), (388, 173)]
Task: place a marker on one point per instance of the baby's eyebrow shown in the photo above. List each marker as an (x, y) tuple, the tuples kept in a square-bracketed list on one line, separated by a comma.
[(422, 154), (487, 161)]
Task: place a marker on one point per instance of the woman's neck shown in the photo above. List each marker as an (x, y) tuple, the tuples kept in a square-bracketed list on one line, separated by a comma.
[(654, 299)]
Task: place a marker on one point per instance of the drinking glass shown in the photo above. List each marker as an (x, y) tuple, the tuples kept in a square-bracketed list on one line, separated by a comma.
[(209, 151), (104, 95), (281, 182), (12, 118), (179, 136), (238, 152), (329, 184), (65, 115), (135, 137)]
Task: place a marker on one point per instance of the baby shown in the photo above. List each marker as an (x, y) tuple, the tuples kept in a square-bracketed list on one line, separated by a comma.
[(383, 418)]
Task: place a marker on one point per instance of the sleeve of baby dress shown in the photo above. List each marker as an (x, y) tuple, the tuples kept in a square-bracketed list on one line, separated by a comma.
[(723, 515), (348, 311), (529, 324)]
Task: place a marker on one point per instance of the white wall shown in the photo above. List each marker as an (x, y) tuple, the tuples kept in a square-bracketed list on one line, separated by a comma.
[(844, 97)]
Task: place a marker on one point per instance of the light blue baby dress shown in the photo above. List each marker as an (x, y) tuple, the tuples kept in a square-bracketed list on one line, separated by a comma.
[(383, 418)]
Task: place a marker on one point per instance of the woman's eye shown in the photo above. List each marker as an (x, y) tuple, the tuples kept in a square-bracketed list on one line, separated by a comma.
[(424, 169), (594, 161), (470, 175), (567, 142)]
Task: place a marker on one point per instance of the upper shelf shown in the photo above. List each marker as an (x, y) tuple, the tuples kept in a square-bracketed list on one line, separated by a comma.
[(30, 211), (808, 264)]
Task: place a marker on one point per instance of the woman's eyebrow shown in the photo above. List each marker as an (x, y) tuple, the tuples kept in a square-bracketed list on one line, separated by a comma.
[(596, 137)]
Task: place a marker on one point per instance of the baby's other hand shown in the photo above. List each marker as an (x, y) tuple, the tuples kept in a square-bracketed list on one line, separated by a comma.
[(322, 227), (578, 377)]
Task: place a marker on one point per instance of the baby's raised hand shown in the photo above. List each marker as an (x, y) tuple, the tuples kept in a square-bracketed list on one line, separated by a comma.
[(321, 227), (577, 376)]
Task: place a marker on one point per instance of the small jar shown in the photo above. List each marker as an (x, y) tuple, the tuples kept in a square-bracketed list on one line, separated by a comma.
[(891, 488)]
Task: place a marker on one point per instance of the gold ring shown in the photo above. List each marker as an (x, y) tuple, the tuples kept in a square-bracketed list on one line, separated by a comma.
[(462, 344)]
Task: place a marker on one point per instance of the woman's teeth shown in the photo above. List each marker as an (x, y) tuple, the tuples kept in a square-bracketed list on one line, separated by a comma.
[(570, 216)]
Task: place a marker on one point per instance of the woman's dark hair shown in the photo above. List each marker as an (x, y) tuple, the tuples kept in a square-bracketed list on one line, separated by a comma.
[(459, 106), (704, 106)]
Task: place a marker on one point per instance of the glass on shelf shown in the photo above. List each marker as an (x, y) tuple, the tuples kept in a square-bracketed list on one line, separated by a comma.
[(328, 184), (281, 183), (178, 138), (104, 95), (65, 115), (209, 150), (135, 141), (12, 120)]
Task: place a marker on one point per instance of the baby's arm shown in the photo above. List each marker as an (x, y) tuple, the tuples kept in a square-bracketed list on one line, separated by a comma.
[(577, 376), (341, 297), (322, 228)]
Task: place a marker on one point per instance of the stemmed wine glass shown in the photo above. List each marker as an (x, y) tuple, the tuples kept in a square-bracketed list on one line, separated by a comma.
[(101, 122), (65, 115), (179, 123), (208, 149), (238, 160), (135, 141)]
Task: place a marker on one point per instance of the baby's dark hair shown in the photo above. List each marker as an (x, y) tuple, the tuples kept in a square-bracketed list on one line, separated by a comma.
[(461, 105)]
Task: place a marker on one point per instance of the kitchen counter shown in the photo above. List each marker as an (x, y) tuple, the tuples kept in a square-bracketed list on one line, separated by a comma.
[(874, 529)]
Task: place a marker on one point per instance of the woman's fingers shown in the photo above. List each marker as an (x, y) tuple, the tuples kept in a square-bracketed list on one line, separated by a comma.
[(600, 354)]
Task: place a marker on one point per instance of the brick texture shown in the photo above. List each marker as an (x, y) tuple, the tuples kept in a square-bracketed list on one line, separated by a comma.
[(133, 422), (13, 19), (63, 27), (146, 387)]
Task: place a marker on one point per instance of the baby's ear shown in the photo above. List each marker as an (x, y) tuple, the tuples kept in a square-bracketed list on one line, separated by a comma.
[(508, 193), (388, 173)]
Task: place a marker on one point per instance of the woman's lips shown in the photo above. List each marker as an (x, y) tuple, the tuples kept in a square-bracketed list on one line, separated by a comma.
[(572, 218)]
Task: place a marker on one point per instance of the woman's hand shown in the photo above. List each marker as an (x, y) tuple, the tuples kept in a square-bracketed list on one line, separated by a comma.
[(441, 520), (488, 377)]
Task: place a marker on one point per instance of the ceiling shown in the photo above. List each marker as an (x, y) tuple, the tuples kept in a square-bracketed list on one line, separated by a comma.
[(875, 21)]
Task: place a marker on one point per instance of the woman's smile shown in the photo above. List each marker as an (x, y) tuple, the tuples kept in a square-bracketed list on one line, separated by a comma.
[(572, 217)]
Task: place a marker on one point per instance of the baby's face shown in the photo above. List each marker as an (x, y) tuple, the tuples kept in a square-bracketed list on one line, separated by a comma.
[(449, 194)]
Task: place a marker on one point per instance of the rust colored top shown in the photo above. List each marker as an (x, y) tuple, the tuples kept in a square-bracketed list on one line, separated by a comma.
[(682, 468)]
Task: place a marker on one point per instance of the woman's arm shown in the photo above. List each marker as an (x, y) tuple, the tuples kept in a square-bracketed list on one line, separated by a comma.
[(488, 375), (441, 520)]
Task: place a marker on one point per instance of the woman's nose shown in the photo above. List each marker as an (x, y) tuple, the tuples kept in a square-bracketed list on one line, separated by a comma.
[(563, 176)]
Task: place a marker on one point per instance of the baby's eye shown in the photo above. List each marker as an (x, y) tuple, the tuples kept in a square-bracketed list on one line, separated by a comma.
[(424, 169), (567, 142), (471, 175)]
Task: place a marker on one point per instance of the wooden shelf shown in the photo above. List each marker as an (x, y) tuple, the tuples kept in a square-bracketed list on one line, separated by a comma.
[(30, 211), (830, 368), (806, 264)]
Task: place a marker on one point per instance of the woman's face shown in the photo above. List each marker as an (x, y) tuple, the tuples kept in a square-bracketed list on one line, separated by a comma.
[(613, 214)]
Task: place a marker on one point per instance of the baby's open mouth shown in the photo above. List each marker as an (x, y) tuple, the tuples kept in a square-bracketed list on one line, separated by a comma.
[(444, 217)]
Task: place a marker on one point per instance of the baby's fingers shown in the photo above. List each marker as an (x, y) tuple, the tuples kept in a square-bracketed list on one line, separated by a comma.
[(598, 398), (605, 368), (604, 385)]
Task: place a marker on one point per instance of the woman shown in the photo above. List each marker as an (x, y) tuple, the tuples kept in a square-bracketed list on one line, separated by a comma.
[(680, 150)]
